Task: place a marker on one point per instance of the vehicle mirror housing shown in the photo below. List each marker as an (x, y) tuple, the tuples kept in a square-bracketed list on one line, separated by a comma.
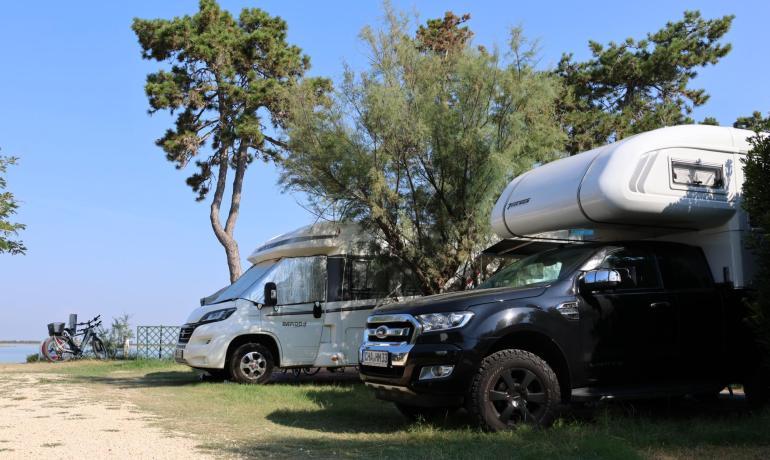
[(600, 279), (317, 310), (271, 294)]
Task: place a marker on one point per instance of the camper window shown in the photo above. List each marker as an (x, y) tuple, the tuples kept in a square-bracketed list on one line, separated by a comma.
[(696, 175)]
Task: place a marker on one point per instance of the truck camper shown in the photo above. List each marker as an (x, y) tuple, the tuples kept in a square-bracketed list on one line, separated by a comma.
[(303, 304), (629, 274)]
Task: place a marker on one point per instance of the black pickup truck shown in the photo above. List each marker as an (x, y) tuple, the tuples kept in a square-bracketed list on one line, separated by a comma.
[(576, 323)]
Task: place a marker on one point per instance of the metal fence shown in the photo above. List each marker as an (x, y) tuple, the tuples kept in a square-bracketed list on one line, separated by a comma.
[(156, 342)]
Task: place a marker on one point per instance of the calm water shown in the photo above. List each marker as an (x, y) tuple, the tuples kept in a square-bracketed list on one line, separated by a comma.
[(17, 353)]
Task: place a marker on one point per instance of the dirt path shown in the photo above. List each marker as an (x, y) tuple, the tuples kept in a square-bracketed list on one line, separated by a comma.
[(40, 417)]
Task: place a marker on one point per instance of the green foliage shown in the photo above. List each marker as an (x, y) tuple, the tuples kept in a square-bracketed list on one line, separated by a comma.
[(116, 335), (33, 358), (8, 206), (638, 85), (418, 147), (754, 122), (444, 36), (756, 201), (226, 81)]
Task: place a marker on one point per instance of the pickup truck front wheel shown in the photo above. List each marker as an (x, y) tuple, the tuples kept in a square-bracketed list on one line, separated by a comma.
[(513, 387), (251, 363)]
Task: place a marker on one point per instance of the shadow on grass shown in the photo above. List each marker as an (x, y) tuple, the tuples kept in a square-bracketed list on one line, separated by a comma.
[(192, 377)]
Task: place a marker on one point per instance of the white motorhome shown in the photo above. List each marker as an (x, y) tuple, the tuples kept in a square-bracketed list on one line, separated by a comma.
[(680, 184), (302, 304)]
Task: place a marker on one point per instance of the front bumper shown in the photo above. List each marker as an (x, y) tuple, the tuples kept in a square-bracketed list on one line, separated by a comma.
[(399, 381)]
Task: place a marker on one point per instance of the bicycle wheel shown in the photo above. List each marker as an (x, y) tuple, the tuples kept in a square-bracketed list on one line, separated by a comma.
[(55, 349), (100, 351)]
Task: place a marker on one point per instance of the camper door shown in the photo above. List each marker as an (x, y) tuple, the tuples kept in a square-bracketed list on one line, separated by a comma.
[(297, 318)]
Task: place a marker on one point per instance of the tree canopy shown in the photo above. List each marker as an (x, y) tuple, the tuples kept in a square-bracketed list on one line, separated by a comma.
[(418, 147), (756, 201), (9, 242), (638, 85), (225, 82)]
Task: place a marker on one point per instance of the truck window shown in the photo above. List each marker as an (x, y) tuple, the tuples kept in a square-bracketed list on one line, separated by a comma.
[(637, 268), (684, 268)]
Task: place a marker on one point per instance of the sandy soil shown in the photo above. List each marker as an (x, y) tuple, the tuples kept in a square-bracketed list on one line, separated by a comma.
[(42, 419)]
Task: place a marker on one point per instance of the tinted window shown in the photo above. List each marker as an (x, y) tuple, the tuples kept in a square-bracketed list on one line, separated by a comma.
[(374, 278), (683, 268), (637, 268)]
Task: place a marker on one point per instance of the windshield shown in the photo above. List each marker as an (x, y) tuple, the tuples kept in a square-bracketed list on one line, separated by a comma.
[(243, 286), (539, 269), (298, 280)]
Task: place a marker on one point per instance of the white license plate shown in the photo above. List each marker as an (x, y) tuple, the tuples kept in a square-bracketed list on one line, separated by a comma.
[(375, 358), (179, 353)]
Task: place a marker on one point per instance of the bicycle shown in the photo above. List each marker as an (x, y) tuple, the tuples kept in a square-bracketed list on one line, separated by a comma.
[(62, 346)]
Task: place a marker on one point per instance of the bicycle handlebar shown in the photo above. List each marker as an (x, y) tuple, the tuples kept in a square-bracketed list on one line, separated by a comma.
[(88, 323)]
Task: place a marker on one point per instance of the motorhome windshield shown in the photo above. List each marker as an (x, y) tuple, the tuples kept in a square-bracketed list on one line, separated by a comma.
[(244, 285), (539, 269)]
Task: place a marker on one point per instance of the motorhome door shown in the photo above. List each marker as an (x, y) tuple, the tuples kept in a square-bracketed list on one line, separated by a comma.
[(297, 318)]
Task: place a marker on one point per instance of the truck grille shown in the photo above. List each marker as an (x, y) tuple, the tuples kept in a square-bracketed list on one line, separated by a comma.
[(186, 332), (391, 328)]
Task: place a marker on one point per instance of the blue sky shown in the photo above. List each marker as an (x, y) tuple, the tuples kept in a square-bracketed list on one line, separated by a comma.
[(113, 228)]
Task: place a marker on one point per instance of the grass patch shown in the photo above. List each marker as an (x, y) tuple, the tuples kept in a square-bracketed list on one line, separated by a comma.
[(341, 418)]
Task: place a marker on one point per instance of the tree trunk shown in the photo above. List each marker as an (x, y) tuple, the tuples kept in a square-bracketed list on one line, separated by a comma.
[(225, 235)]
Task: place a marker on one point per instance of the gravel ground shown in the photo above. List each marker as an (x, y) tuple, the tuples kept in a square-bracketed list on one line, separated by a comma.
[(41, 417)]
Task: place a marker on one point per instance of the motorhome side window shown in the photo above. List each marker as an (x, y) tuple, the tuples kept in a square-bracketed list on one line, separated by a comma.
[(697, 175), (372, 278), (637, 269), (300, 279)]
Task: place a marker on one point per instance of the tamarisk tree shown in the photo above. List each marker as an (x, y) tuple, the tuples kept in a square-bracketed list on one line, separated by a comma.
[(225, 81), (418, 147)]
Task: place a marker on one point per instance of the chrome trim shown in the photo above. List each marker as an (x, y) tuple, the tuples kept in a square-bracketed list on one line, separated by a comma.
[(398, 318), (383, 331)]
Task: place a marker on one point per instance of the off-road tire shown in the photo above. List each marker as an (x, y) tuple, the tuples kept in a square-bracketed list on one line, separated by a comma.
[(426, 414), (534, 398), (239, 364)]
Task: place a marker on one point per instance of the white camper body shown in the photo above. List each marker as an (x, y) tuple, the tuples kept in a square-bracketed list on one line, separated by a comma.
[(681, 184), (325, 291)]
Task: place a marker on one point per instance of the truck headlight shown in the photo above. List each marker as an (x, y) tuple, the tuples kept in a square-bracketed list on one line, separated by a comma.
[(217, 315), (443, 321)]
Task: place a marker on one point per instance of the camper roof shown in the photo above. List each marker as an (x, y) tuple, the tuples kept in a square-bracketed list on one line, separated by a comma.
[(681, 178), (325, 238)]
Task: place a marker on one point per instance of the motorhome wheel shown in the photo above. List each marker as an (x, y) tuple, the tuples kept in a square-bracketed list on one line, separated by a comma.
[(251, 363)]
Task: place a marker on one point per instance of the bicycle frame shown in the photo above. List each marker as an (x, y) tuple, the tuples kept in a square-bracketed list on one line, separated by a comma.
[(71, 346)]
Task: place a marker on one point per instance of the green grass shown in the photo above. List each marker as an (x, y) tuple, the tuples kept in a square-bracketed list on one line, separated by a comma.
[(342, 419)]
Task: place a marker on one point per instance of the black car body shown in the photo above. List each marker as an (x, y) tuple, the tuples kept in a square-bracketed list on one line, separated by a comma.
[(626, 319)]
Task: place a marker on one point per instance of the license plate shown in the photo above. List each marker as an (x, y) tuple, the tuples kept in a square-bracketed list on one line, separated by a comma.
[(179, 353), (375, 358)]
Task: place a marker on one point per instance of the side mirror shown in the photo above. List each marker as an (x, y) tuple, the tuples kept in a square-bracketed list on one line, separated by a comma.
[(271, 294), (601, 279), (317, 310)]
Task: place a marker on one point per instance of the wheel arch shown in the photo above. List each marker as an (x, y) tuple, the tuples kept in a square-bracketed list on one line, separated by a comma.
[(543, 346), (264, 339)]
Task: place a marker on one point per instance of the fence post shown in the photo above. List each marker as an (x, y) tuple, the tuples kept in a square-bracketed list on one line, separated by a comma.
[(160, 343)]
